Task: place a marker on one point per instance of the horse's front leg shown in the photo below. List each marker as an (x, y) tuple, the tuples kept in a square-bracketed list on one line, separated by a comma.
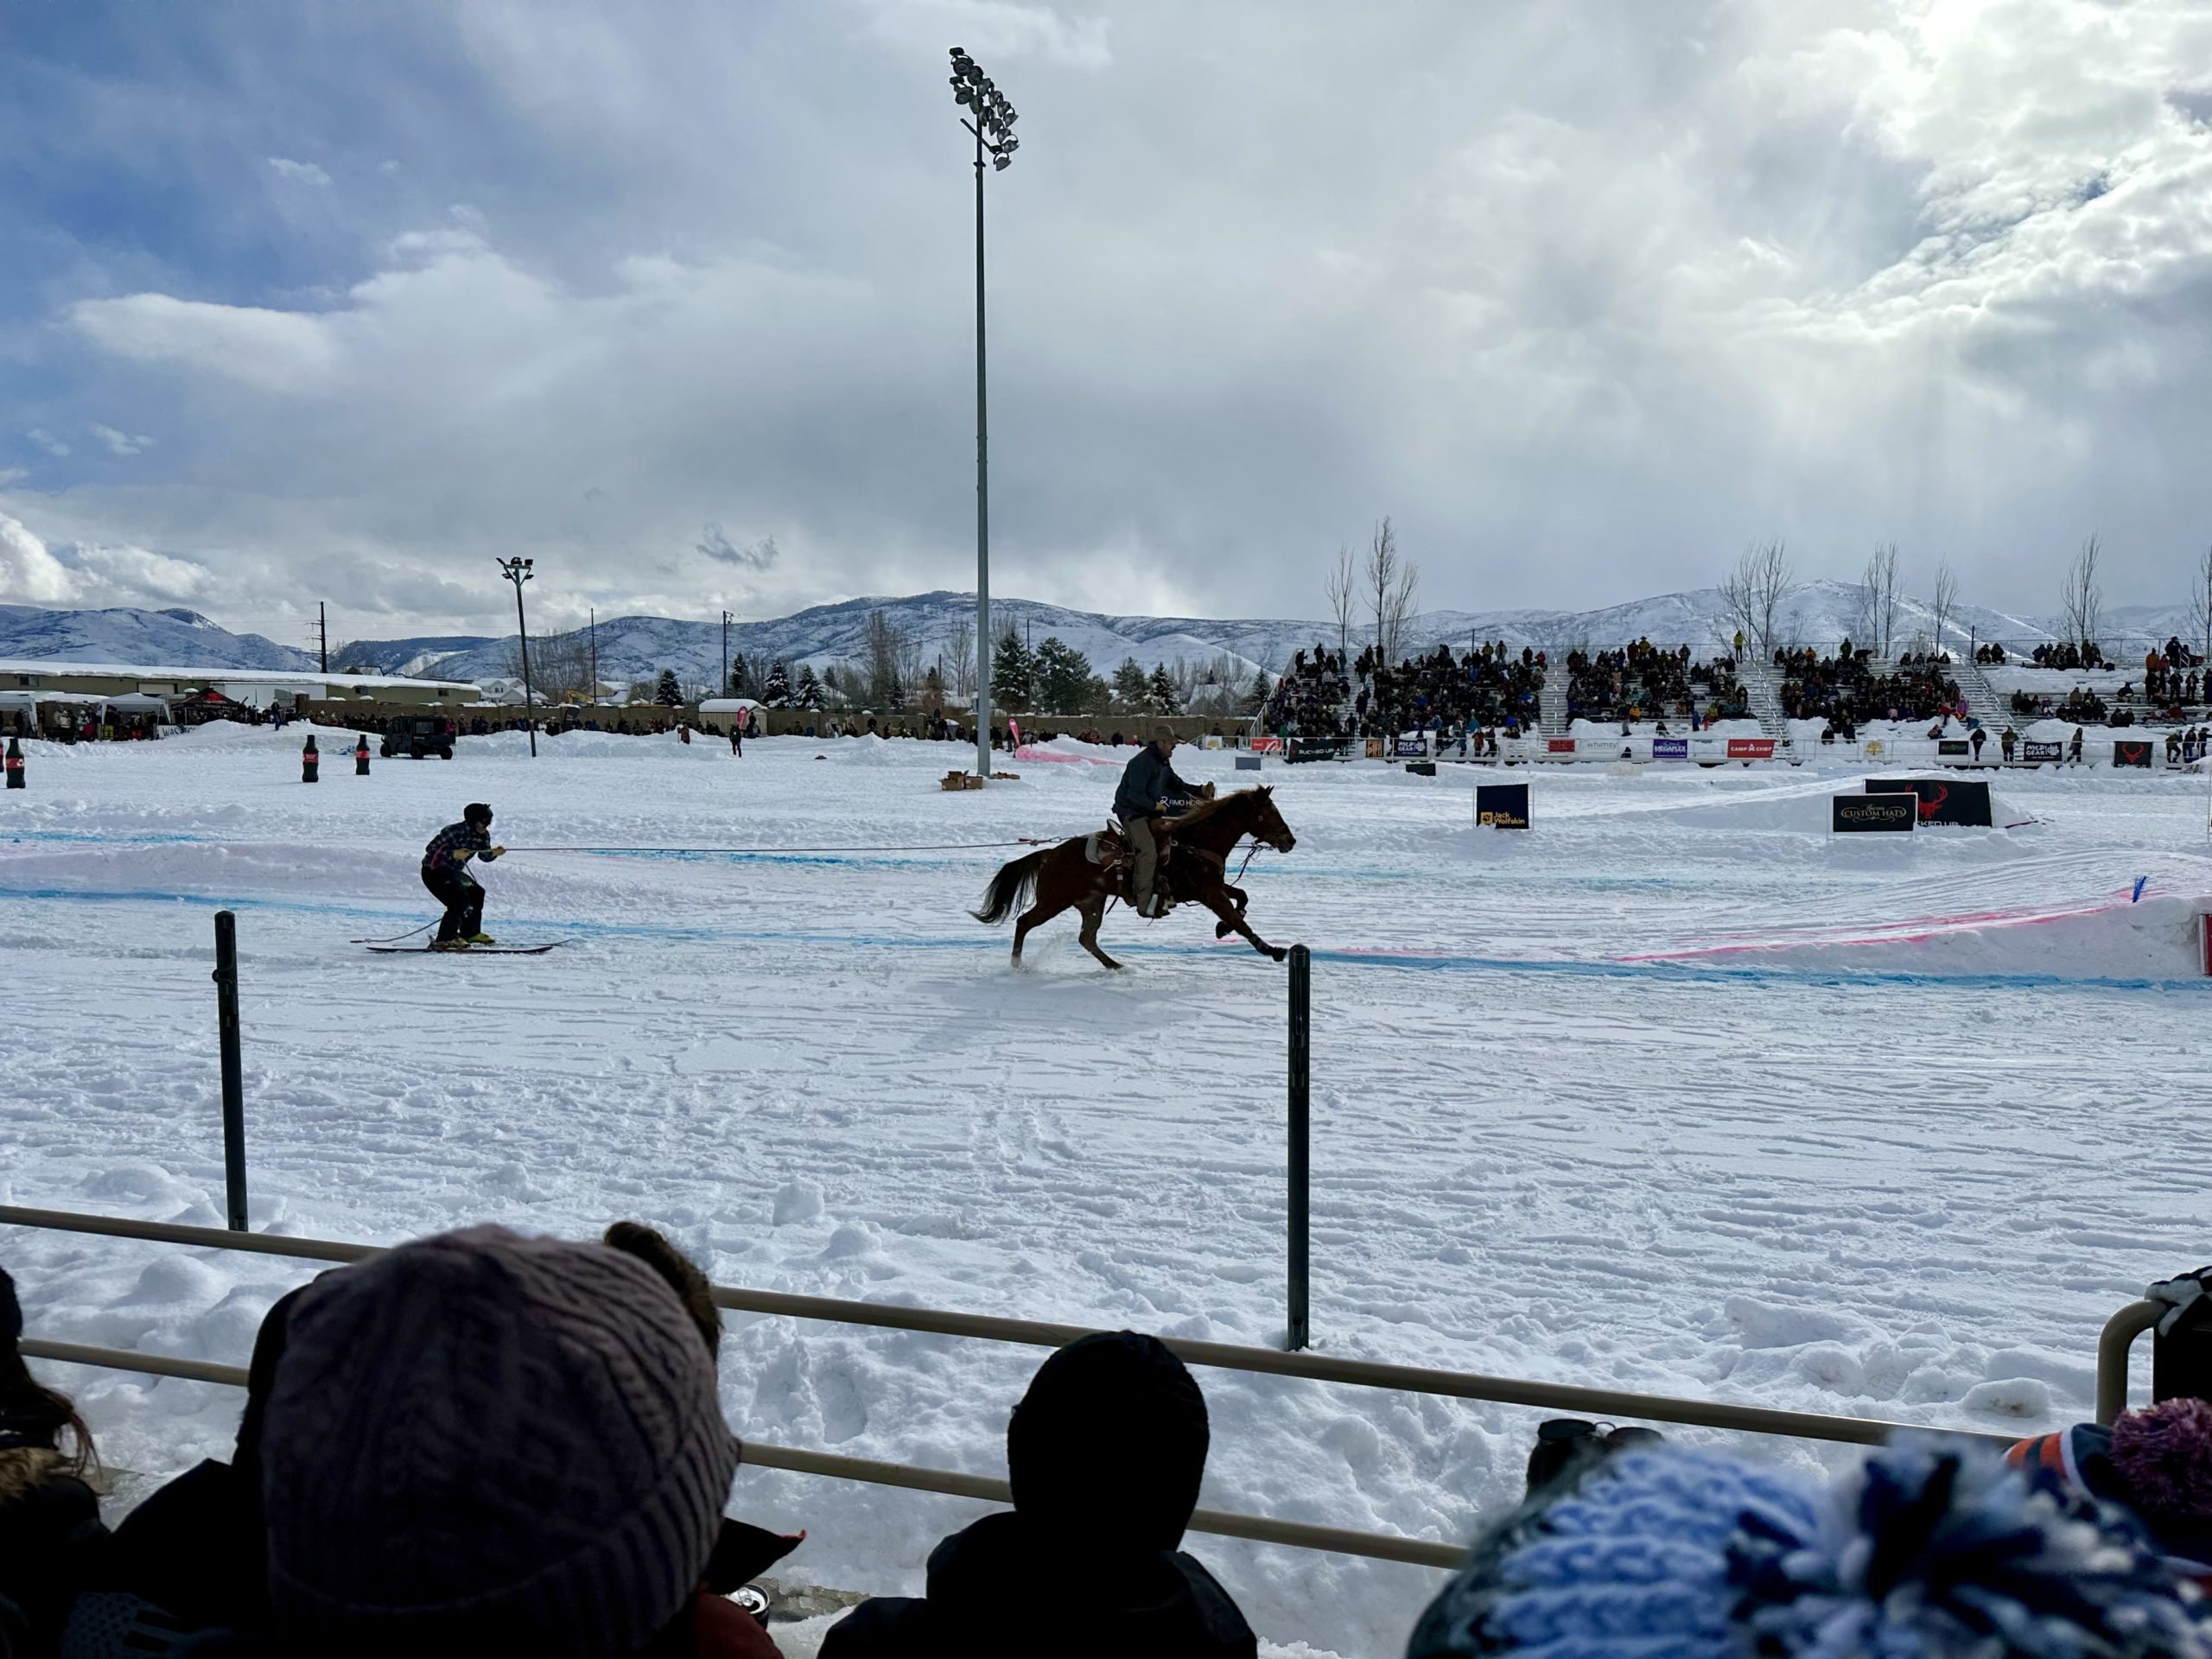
[(1218, 902)]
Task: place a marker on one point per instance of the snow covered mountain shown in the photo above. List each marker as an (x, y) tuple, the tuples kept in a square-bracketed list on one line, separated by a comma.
[(639, 647), (173, 638)]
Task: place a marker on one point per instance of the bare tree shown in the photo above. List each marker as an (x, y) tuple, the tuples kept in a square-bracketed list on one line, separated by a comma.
[(880, 674), (2199, 608), (960, 661), (1877, 602), (1392, 582), (1751, 595), (2081, 601), (560, 667), (1343, 597), (1943, 600)]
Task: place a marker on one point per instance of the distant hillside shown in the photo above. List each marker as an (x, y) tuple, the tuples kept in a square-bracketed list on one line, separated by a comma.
[(174, 638), (639, 647)]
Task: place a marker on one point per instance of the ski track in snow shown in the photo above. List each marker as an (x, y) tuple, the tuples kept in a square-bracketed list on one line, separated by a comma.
[(1899, 1193)]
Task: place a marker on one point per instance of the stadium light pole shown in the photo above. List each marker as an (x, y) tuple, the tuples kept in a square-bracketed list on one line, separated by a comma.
[(518, 571), (993, 125), (724, 690)]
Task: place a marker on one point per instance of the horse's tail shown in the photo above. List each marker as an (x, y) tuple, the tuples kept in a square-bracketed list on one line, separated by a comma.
[(1010, 889)]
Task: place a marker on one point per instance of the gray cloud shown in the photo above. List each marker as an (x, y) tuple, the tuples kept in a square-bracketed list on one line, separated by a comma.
[(756, 555), (1584, 296)]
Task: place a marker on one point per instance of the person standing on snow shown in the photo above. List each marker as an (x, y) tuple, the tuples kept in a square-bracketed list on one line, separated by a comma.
[(445, 872)]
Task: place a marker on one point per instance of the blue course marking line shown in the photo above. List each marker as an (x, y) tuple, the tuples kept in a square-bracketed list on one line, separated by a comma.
[(1662, 972)]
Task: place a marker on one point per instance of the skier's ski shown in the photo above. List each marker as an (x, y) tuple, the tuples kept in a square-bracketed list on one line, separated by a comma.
[(473, 951)]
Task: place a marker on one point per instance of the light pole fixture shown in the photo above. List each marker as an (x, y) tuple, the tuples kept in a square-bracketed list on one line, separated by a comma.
[(991, 118), (726, 691), (518, 571)]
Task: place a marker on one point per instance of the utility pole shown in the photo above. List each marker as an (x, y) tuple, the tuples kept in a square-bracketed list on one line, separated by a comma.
[(725, 691), (593, 613), (518, 571), (993, 128), (323, 628)]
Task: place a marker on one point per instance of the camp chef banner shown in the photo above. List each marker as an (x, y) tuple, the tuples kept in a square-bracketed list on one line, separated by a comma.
[(1501, 806), (1942, 800), (1852, 815), (1750, 748), (1670, 748)]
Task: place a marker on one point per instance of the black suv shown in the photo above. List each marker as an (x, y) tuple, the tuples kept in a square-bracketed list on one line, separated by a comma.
[(419, 737)]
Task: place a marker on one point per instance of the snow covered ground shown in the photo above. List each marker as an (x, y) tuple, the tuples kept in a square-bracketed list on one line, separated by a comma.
[(1672, 1092)]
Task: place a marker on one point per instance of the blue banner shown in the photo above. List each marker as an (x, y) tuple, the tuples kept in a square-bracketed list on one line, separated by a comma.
[(1670, 748)]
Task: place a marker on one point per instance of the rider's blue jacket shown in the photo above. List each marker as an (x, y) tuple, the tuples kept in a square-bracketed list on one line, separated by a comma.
[(1150, 787)]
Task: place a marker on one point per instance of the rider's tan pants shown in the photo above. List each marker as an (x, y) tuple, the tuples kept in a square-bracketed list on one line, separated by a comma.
[(1147, 851)]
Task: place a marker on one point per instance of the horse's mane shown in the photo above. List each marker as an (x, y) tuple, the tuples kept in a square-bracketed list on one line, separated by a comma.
[(1205, 809)]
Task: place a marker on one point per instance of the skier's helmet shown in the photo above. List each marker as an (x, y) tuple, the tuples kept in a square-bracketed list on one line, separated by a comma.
[(476, 812)]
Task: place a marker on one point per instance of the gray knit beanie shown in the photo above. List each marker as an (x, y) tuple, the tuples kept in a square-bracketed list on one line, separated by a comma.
[(482, 1443)]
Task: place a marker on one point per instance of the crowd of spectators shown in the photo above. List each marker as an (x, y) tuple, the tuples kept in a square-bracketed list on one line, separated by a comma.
[(1313, 699), (2065, 654), (1850, 687), (1642, 682), (481, 1444), (1485, 691)]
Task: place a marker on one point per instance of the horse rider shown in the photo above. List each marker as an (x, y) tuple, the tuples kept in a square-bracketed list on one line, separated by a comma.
[(1150, 791)]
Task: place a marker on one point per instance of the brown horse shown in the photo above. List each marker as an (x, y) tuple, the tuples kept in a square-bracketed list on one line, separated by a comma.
[(1063, 878)]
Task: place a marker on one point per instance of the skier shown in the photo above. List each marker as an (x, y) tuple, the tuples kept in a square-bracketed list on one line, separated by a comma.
[(445, 872)]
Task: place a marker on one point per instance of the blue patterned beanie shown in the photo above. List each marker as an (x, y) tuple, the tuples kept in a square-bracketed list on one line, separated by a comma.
[(1926, 1551)]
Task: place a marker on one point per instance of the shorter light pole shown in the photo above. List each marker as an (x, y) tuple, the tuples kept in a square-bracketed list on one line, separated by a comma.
[(518, 571)]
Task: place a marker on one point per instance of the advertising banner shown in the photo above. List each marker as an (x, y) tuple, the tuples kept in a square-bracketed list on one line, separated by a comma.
[(1750, 748), (1501, 806), (1267, 745), (1951, 746), (2032, 750), (1852, 815), (1373, 748), (1962, 802), (2131, 751), (1670, 748), (1559, 746), (1411, 748)]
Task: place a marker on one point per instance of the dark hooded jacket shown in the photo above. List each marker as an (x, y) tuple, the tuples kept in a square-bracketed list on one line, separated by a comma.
[(1105, 1452), (1150, 786)]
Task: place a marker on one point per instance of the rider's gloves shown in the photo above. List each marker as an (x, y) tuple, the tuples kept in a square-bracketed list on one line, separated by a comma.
[(490, 853)]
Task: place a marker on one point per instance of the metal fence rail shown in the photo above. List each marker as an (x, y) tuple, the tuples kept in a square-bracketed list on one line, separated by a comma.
[(1320, 1367)]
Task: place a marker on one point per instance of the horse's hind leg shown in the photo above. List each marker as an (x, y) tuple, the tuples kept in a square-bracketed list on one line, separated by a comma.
[(1035, 916), (1093, 914)]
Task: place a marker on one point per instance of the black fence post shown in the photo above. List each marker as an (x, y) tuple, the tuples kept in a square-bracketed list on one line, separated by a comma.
[(226, 1018), (2181, 1356), (1301, 1070)]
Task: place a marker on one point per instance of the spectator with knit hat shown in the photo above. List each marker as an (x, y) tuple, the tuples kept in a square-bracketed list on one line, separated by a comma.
[(1926, 1549), (1105, 1453), (481, 1444)]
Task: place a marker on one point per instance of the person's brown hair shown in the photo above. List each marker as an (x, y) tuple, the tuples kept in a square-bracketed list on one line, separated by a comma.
[(683, 1273)]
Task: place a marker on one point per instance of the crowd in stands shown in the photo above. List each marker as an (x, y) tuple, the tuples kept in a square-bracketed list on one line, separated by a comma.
[(1487, 691), (1642, 682), (481, 1444), (2067, 655), (1850, 687)]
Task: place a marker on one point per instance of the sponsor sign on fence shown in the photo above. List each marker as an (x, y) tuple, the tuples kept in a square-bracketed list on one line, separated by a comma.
[(1670, 748), (1852, 815), (1559, 746), (1501, 806), (1750, 748), (1941, 800), (2131, 751), (1267, 745), (1373, 748), (2032, 750), (1950, 746), (1318, 748), (1411, 748)]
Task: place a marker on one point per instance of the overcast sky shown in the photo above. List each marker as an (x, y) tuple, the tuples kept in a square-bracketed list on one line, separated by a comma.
[(304, 302)]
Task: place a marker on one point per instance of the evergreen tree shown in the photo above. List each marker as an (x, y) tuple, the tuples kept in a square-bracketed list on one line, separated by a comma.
[(1013, 676), (1161, 692), (778, 688), (737, 675), (1130, 686), (1063, 678), (1261, 691), (809, 694), (668, 693)]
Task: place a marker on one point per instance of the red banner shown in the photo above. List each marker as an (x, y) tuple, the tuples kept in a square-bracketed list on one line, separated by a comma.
[(1562, 746), (1750, 748), (1267, 745)]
